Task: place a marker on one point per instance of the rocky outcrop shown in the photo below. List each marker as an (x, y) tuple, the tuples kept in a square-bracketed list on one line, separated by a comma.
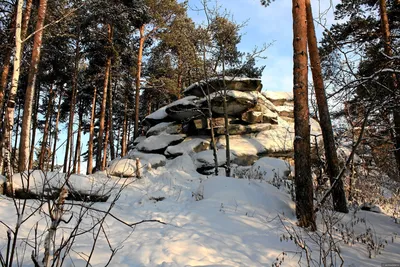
[(215, 84), (260, 124)]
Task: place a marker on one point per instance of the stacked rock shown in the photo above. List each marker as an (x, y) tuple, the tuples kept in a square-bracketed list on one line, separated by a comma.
[(260, 124)]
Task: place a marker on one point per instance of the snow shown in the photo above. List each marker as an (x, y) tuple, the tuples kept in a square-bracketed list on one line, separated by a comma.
[(188, 146), (271, 168), (155, 160), (226, 78), (158, 142), (248, 96), (124, 168), (210, 221), (205, 159), (161, 113), (38, 181), (277, 96)]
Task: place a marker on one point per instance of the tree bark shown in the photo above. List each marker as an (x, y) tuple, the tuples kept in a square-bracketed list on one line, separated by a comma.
[(389, 52), (34, 128), (138, 74), (338, 193), (125, 126), (6, 60), (303, 179), (9, 116), (104, 162), (99, 161), (53, 154), (43, 156), (14, 150), (76, 167), (110, 118), (30, 89), (91, 135), (67, 156)]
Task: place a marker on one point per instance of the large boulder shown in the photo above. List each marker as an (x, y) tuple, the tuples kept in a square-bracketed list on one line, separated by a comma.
[(165, 127), (239, 129), (179, 110), (158, 143), (200, 89), (278, 98), (124, 168), (184, 109), (237, 102), (188, 146), (204, 160), (155, 160)]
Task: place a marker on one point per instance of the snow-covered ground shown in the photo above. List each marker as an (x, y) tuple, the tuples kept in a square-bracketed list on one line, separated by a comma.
[(209, 221)]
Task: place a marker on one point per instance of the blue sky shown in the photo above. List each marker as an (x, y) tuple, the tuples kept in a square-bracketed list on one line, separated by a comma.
[(272, 24)]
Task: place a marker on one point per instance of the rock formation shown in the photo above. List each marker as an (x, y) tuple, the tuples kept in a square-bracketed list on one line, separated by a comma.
[(260, 124)]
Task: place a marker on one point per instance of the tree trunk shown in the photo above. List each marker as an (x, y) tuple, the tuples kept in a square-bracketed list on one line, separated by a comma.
[(110, 119), (138, 74), (118, 135), (303, 179), (34, 128), (14, 150), (338, 193), (104, 162), (9, 116), (53, 154), (226, 122), (67, 156), (99, 161), (91, 135), (43, 156), (6, 60), (30, 89), (388, 52), (125, 126), (76, 167)]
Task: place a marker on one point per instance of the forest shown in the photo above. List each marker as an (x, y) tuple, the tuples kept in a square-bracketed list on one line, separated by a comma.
[(107, 105)]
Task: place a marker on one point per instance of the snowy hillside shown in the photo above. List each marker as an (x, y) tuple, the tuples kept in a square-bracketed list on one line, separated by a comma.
[(201, 221)]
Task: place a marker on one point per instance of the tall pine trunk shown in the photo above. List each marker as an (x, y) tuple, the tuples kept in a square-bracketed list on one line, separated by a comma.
[(53, 154), (105, 145), (9, 116), (388, 51), (6, 59), (338, 193), (30, 89), (99, 161), (43, 156), (34, 128), (91, 135), (110, 118), (77, 156), (138, 75), (125, 127), (67, 156), (303, 179)]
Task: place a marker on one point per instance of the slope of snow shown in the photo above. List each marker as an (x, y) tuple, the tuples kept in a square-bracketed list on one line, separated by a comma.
[(209, 221)]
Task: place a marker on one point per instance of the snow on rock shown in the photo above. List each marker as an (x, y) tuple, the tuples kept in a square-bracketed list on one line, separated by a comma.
[(158, 143), (205, 160), (155, 160), (237, 102), (124, 168), (271, 168), (285, 111), (162, 114), (183, 162), (278, 98), (216, 83), (139, 139), (39, 182), (188, 146), (165, 127)]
